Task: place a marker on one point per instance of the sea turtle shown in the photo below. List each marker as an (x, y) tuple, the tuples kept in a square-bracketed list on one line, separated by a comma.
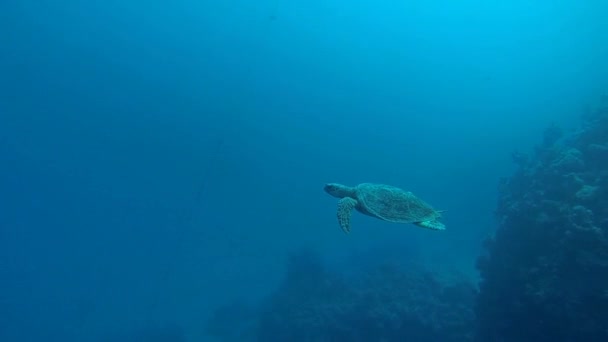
[(385, 202)]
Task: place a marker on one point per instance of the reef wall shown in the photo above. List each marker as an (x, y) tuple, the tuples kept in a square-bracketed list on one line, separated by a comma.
[(545, 273)]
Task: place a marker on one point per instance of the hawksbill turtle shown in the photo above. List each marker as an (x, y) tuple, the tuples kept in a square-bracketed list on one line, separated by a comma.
[(385, 202)]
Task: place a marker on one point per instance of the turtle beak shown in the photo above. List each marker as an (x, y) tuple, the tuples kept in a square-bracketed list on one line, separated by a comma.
[(331, 189)]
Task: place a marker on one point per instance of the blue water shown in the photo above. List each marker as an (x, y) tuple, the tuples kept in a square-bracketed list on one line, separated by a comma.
[(158, 159)]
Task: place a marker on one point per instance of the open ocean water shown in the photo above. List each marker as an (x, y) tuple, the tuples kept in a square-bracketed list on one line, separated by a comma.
[(162, 166)]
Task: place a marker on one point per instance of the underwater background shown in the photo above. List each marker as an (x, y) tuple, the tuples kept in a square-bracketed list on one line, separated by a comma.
[(162, 168)]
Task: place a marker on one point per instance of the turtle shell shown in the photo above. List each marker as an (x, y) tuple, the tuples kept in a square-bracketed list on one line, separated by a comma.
[(394, 204)]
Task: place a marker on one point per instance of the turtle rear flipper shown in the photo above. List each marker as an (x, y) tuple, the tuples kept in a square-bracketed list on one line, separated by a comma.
[(345, 210), (431, 224)]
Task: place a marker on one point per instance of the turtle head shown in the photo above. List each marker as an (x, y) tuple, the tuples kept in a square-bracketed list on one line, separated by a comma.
[(338, 190)]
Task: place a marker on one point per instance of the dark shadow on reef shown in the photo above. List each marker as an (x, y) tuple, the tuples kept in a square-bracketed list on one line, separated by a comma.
[(545, 274), (149, 332), (383, 303)]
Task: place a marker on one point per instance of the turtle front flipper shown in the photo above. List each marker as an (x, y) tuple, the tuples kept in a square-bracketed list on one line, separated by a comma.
[(345, 210), (432, 224)]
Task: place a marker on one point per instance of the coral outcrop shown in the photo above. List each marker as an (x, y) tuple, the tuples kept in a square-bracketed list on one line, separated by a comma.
[(545, 273), (381, 303)]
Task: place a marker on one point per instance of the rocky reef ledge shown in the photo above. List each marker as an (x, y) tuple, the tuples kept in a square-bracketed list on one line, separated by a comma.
[(545, 273)]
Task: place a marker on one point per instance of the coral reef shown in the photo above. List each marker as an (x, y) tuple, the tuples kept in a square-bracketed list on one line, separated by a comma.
[(545, 273), (147, 332), (380, 303)]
